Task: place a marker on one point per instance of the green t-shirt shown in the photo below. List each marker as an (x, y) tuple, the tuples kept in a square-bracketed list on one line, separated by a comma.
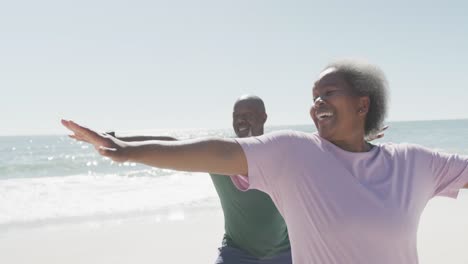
[(251, 221)]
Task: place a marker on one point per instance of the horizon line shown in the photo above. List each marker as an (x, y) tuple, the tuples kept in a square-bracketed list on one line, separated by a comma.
[(220, 128)]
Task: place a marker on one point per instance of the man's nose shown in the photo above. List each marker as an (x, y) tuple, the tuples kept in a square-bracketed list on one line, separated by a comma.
[(240, 120)]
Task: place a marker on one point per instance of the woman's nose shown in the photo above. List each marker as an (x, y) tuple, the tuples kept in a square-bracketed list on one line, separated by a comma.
[(318, 101)]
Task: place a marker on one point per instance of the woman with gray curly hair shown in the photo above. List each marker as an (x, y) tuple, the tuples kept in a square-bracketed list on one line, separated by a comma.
[(344, 200)]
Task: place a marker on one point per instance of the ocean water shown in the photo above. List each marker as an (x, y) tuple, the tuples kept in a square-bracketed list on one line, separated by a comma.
[(54, 179)]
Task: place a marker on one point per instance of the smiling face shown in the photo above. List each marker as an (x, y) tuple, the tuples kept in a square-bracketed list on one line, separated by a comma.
[(337, 112), (248, 118)]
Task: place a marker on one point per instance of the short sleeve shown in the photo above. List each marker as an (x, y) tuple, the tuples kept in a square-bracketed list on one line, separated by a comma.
[(265, 155), (450, 172)]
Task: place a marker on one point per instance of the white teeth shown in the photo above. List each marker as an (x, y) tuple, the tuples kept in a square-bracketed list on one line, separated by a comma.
[(324, 115), (242, 129)]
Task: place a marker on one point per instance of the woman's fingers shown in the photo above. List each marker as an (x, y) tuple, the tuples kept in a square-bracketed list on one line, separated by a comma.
[(79, 138), (85, 134), (103, 143)]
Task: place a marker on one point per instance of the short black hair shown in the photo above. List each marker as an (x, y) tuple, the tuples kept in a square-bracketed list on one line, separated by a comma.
[(253, 98)]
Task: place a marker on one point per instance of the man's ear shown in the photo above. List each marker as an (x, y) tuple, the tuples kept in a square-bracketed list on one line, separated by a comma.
[(264, 117)]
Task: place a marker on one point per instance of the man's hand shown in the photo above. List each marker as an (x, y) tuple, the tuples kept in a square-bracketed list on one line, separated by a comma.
[(106, 145), (381, 134)]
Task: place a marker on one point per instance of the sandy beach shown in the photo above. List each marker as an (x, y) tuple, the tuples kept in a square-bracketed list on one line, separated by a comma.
[(192, 236), (193, 239), (443, 231)]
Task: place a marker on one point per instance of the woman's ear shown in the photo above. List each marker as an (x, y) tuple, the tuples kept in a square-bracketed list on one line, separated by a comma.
[(364, 103)]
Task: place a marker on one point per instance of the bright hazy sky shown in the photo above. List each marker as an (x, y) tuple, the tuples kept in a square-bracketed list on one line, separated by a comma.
[(130, 65)]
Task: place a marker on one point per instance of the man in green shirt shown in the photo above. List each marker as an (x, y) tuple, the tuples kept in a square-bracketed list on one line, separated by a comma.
[(255, 232)]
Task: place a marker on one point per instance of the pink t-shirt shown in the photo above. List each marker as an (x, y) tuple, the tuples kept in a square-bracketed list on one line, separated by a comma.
[(343, 207)]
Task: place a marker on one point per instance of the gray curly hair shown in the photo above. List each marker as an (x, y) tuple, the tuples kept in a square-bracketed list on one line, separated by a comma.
[(366, 79)]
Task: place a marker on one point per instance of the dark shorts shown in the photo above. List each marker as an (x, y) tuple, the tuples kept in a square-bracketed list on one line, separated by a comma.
[(230, 255)]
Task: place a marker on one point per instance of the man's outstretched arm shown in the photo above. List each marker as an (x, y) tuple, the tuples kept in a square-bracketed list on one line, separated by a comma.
[(220, 156)]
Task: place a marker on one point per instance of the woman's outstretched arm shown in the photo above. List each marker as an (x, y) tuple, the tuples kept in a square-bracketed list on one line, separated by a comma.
[(220, 156)]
